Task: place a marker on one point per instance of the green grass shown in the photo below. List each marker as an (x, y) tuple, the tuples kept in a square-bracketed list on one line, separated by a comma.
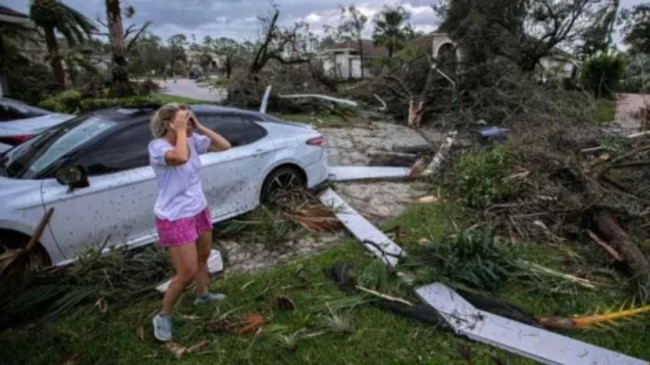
[(165, 98), (605, 111), (378, 337), (323, 120)]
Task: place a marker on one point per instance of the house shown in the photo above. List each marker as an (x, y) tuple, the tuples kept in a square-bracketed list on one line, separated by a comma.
[(7, 18), (343, 59), (558, 66)]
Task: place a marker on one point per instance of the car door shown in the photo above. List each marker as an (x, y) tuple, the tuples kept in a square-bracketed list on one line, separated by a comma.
[(117, 207), (232, 179)]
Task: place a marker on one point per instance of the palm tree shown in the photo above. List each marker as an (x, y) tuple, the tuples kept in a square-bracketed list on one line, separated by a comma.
[(53, 16), (121, 86), (391, 28)]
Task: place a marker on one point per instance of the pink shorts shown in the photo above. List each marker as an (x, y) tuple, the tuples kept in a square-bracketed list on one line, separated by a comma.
[(183, 231)]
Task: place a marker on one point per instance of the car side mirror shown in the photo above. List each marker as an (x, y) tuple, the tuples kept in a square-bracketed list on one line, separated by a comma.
[(74, 177)]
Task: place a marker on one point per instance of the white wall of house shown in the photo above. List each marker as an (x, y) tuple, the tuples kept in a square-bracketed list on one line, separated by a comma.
[(344, 65), (355, 68), (560, 68)]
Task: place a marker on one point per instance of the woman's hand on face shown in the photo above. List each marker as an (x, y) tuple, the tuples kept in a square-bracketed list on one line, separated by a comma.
[(181, 121), (195, 122)]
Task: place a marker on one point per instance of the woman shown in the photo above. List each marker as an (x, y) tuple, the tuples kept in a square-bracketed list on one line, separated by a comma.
[(181, 210)]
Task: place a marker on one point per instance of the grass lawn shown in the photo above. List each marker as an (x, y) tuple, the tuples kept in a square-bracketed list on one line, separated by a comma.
[(165, 98), (378, 337), (605, 111)]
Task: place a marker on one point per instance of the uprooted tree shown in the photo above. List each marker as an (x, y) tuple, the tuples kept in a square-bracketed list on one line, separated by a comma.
[(282, 57), (521, 31), (491, 40), (552, 190), (288, 46)]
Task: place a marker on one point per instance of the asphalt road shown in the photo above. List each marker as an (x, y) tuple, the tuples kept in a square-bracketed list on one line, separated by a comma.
[(188, 88)]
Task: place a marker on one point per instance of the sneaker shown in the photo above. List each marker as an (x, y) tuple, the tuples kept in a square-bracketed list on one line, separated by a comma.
[(162, 327), (210, 297)]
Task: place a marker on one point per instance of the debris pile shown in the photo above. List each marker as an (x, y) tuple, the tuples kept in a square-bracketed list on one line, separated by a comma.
[(120, 278), (554, 174)]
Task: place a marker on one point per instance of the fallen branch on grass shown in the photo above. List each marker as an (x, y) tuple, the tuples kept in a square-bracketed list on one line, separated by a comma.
[(384, 107), (384, 296), (603, 244), (322, 97), (438, 159), (629, 251), (593, 320), (315, 218), (539, 269)]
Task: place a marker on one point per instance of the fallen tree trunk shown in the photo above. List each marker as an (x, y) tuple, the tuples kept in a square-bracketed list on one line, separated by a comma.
[(617, 237)]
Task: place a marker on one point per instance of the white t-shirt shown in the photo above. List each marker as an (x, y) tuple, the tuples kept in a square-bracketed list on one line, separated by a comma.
[(180, 192)]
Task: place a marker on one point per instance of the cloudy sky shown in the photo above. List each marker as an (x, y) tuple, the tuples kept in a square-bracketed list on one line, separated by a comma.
[(238, 18)]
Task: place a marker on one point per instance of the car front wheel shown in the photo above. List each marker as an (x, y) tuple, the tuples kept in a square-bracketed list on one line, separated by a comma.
[(281, 180), (11, 241)]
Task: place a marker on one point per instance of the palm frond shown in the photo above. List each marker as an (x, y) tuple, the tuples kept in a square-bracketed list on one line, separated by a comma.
[(598, 319), (338, 322), (468, 260), (70, 34), (121, 277), (79, 20), (74, 26), (289, 342)]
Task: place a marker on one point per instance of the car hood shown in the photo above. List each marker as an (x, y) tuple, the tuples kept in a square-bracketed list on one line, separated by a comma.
[(32, 125), (13, 187)]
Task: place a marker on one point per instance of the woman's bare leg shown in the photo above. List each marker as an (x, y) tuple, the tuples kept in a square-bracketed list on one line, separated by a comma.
[(203, 248), (184, 259)]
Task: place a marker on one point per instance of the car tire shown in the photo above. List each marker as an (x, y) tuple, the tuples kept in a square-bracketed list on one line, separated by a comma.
[(282, 179), (13, 240)]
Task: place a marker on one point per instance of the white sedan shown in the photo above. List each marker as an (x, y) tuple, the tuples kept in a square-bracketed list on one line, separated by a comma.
[(93, 170), (20, 122)]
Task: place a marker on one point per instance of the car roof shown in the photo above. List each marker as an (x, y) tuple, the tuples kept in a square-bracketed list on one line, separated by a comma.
[(20, 105), (131, 113)]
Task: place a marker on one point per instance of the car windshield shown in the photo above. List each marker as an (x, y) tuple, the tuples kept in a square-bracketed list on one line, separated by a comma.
[(35, 156)]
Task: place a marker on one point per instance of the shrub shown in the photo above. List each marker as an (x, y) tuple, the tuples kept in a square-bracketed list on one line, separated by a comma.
[(71, 102), (478, 178), (64, 102), (29, 82), (602, 74), (87, 105), (466, 260), (146, 87)]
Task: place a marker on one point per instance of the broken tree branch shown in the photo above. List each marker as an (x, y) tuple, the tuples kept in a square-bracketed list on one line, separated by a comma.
[(604, 245), (318, 96), (629, 251), (384, 296)]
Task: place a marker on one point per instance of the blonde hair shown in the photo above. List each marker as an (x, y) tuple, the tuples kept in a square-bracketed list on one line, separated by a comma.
[(164, 115)]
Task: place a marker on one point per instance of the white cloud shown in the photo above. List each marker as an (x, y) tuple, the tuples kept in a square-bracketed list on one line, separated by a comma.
[(238, 18), (313, 18), (418, 11)]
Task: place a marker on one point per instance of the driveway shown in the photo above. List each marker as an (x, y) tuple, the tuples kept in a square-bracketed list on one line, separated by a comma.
[(376, 200), (189, 89), (628, 111)]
